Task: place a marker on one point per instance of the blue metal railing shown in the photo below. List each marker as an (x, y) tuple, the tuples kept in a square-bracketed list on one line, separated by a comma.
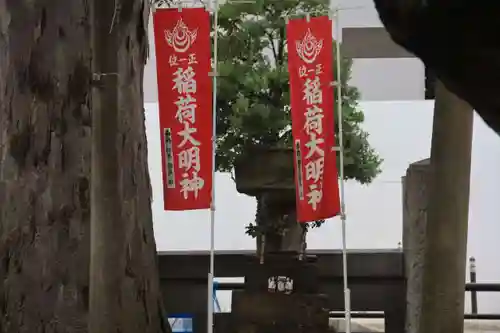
[(216, 300)]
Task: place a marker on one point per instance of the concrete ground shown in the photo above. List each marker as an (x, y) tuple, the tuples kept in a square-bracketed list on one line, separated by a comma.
[(377, 325)]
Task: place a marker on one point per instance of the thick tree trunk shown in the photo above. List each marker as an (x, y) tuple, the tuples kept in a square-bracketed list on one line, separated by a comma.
[(45, 77)]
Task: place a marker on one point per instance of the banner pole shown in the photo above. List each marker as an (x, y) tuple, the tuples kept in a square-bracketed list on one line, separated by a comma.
[(347, 293), (210, 298)]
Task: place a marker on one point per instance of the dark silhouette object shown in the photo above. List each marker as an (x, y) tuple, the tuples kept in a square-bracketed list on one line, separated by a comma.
[(458, 40), (472, 276)]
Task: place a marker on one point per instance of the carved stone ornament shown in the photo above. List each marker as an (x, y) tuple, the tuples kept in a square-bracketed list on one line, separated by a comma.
[(281, 284)]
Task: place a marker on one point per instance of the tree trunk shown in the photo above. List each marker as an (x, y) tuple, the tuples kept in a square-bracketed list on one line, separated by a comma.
[(45, 77), (443, 280), (283, 232)]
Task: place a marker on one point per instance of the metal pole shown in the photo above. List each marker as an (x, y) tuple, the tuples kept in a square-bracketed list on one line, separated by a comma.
[(210, 300), (473, 293), (347, 293)]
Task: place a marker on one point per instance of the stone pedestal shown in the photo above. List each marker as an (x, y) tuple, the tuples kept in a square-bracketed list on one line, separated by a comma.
[(267, 173), (280, 295)]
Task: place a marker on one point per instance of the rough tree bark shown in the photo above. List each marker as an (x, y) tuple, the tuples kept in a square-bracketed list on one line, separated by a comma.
[(45, 77)]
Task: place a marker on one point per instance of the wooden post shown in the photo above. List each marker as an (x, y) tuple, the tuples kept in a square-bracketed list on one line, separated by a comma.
[(443, 281)]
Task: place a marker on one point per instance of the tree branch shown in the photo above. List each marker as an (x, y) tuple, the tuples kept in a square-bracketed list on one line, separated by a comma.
[(281, 50), (273, 47)]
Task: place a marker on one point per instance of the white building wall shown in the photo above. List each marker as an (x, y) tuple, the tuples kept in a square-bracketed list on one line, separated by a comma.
[(379, 79)]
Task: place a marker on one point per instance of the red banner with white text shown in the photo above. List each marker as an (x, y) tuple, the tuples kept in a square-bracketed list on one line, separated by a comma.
[(182, 40), (310, 58)]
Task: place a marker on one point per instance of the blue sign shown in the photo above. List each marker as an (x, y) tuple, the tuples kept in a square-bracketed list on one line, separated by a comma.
[(181, 323)]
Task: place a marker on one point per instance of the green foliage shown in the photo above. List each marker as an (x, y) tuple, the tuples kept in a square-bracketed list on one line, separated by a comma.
[(253, 94)]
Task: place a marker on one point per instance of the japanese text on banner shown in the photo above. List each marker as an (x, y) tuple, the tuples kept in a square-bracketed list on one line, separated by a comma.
[(310, 67), (184, 87)]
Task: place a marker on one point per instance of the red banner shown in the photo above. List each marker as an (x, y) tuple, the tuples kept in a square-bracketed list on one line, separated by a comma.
[(310, 58), (182, 40)]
